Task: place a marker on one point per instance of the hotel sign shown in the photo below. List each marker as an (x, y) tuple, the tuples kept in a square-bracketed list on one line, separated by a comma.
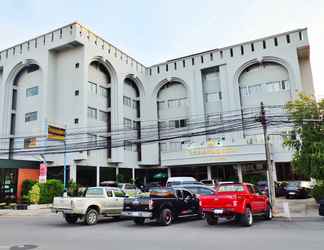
[(212, 147)]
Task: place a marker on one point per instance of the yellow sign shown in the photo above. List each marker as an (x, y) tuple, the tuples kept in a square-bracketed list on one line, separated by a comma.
[(56, 133)]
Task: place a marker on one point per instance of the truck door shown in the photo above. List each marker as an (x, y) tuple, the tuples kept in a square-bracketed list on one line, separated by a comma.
[(118, 201), (190, 203), (252, 199)]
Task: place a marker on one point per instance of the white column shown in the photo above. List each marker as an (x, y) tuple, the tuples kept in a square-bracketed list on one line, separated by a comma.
[(239, 173), (133, 174), (274, 174), (209, 175), (98, 176), (73, 171), (169, 172), (117, 172)]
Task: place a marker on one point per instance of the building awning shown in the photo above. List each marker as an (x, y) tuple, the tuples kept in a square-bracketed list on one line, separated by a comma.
[(5, 163)]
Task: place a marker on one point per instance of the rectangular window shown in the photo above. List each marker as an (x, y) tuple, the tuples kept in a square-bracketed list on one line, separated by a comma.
[(92, 113), (231, 52), (162, 124), (183, 63), (30, 142), (134, 104), (193, 61), (300, 35), (264, 44), (244, 91), (161, 105), (202, 59), (31, 116), (167, 67), (127, 101), (32, 91), (211, 56), (175, 66), (172, 124), (242, 50), (276, 41), (127, 123), (288, 38), (103, 116), (163, 147), (252, 47), (92, 88), (103, 91)]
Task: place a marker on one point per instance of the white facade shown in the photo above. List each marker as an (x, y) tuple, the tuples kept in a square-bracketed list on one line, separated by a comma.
[(77, 80)]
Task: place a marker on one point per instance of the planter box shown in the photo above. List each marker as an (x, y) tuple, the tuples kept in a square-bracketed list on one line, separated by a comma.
[(21, 207)]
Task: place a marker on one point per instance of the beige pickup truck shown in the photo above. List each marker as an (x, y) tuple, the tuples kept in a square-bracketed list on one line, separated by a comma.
[(97, 201)]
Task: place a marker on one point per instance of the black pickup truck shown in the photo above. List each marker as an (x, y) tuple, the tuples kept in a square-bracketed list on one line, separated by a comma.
[(162, 205)]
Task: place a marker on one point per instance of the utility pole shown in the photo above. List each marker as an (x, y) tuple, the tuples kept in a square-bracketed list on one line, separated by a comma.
[(271, 186)]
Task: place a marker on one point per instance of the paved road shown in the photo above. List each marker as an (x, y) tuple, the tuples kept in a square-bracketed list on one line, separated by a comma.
[(52, 233)]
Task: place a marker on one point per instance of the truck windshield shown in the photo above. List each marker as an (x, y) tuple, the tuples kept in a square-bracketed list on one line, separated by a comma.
[(230, 188)]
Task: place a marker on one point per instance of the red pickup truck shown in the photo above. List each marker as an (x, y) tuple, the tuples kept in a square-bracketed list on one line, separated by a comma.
[(239, 200)]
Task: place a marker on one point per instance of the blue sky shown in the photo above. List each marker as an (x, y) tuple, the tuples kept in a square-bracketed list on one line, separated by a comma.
[(156, 30)]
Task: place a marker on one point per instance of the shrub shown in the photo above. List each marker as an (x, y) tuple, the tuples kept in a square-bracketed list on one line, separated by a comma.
[(26, 187), (318, 191), (34, 194), (49, 190), (73, 189)]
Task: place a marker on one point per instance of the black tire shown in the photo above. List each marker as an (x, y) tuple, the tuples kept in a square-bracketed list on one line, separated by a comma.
[(247, 218), (139, 221), (268, 213), (91, 217), (166, 217), (237, 218), (71, 218), (211, 219)]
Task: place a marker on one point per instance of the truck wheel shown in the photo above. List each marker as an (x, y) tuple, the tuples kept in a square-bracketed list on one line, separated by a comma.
[(211, 219), (268, 213), (91, 217), (71, 218), (166, 217), (139, 221), (247, 218)]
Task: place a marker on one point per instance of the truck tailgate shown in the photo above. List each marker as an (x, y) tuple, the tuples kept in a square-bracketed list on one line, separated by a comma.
[(218, 201), (136, 204), (62, 202)]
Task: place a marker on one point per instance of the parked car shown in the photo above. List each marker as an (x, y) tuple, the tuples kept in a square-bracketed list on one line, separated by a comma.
[(105, 201), (164, 206), (239, 201), (198, 190), (172, 181), (213, 182), (262, 186), (209, 182), (321, 207), (298, 189), (130, 189), (281, 188), (108, 184), (151, 185)]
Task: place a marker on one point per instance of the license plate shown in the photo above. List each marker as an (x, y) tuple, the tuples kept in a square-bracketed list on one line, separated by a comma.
[(218, 211), (292, 193), (136, 213)]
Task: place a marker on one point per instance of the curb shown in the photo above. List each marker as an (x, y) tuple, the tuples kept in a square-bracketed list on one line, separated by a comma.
[(299, 219)]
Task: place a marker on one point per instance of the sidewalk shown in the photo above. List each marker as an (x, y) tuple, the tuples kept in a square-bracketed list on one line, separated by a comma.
[(33, 210), (296, 209)]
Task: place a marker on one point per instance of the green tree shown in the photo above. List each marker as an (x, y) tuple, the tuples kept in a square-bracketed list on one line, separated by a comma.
[(308, 137)]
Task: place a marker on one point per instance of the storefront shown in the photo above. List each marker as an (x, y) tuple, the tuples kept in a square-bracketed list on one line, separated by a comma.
[(12, 175)]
